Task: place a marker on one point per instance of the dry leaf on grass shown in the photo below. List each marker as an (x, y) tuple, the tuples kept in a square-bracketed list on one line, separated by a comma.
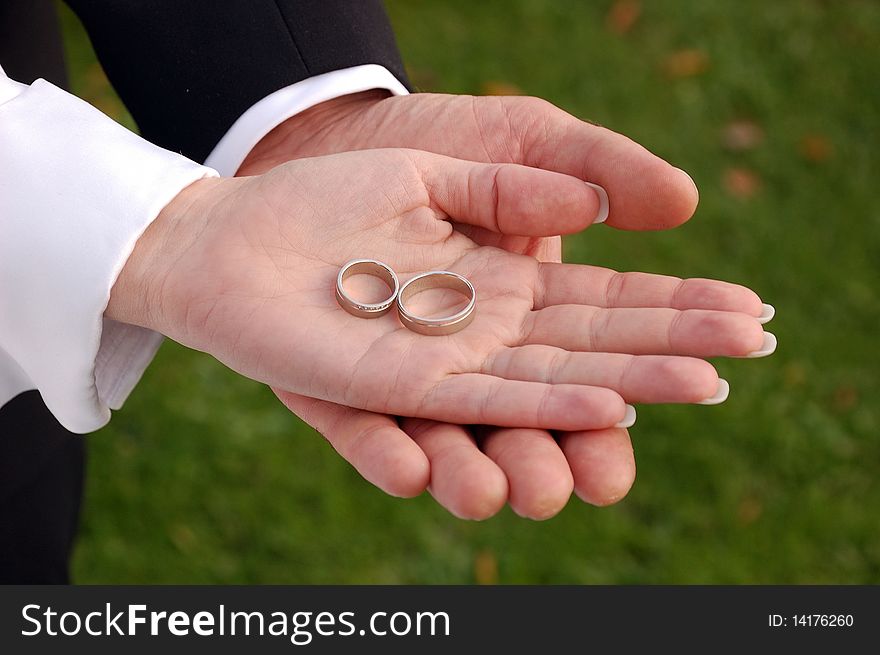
[(622, 15), (496, 88), (749, 510), (815, 148), (741, 135), (486, 568), (741, 182), (846, 398), (685, 63)]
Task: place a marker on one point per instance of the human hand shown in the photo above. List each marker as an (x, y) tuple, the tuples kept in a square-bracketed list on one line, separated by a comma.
[(232, 262), (526, 466), (246, 271), (646, 192)]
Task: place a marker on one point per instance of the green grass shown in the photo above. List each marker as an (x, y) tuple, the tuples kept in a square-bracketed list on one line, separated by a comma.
[(204, 477)]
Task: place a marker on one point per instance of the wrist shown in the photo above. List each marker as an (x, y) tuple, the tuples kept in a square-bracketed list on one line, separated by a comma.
[(297, 136), (136, 295)]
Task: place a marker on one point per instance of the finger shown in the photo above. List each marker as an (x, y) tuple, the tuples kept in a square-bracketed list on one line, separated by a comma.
[(373, 443), (637, 378), (602, 464), (645, 192), (508, 198), (537, 471), (694, 332), (463, 480), (467, 398), (592, 285)]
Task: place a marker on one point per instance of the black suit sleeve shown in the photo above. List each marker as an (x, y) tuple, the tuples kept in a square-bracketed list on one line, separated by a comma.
[(30, 41), (187, 69)]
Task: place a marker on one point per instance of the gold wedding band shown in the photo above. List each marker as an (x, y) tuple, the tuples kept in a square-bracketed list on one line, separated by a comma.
[(444, 324), (366, 267)]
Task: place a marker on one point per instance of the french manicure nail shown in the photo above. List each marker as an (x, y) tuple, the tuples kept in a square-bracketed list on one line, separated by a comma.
[(720, 395), (767, 314), (767, 348), (694, 184), (604, 205), (629, 419)]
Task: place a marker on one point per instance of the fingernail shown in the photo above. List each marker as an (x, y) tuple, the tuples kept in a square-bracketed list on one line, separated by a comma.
[(720, 395), (767, 348), (629, 419), (604, 206), (769, 311), (694, 184)]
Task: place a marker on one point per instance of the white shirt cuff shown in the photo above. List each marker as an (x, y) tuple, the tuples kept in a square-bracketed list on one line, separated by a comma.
[(76, 192), (274, 109)]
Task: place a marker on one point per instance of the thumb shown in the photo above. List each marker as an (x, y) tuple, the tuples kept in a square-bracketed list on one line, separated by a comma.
[(646, 192)]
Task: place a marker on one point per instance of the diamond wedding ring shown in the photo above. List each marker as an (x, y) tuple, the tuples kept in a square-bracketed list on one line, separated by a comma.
[(443, 324), (366, 267)]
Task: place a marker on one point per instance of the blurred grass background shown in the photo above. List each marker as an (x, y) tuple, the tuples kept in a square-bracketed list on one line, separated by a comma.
[(774, 108)]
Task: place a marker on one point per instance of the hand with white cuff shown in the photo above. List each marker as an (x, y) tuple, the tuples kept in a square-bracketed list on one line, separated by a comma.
[(474, 475), (245, 268)]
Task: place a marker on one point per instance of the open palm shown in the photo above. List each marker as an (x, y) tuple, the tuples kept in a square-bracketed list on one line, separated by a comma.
[(255, 289), (474, 473)]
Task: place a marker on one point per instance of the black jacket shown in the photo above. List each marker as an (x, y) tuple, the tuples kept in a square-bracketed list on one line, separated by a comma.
[(187, 69)]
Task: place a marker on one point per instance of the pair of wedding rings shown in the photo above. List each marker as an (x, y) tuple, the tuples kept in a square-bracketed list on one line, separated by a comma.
[(400, 296)]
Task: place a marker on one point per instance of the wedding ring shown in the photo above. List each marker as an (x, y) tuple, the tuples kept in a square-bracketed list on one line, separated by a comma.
[(444, 324), (366, 267)]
